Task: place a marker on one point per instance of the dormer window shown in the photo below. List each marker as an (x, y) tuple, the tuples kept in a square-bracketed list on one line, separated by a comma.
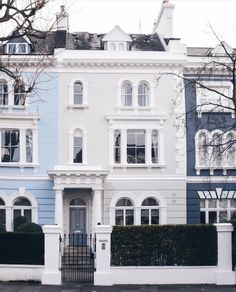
[(17, 48)]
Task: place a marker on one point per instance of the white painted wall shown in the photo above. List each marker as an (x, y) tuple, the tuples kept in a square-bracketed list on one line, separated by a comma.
[(21, 272)]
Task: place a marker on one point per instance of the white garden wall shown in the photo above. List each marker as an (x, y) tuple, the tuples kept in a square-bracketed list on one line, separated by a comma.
[(21, 272)]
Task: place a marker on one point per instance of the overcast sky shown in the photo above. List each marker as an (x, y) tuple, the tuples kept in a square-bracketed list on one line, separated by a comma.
[(191, 17)]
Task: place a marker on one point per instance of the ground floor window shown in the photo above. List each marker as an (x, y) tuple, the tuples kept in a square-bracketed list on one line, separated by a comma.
[(124, 213), (150, 212), (22, 207), (2, 215), (217, 210)]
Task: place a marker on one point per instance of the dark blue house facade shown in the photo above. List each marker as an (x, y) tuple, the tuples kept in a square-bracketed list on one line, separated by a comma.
[(210, 135)]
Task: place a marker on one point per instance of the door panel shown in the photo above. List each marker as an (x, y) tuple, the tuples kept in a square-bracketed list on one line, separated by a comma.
[(78, 220)]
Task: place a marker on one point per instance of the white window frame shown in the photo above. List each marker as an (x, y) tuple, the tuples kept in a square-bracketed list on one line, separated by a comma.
[(71, 146), (22, 126), (124, 210), (204, 96), (17, 46), (150, 208), (210, 163), (142, 124), (146, 97), (217, 209), (72, 106), (135, 86)]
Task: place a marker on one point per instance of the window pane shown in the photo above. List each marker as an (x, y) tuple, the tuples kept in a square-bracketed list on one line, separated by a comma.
[(150, 202), (3, 93), (212, 217), (129, 217), (143, 94), (27, 215), (2, 202), (136, 146), (233, 215), (144, 216), (233, 203), (29, 145), (202, 217), (126, 94), (11, 48), (2, 218), (117, 146), (124, 202), (202, 203), (78, 93), (154, 216), (77, 202), (154, 146), (19, 94), (119, 217), (10, 146), (16, 213), (212, 203), (78, 155), (22, 48), (22, 202), (222, 216), (223, 203)]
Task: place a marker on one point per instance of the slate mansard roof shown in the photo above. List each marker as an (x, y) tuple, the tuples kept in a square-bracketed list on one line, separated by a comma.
[(93, 41)]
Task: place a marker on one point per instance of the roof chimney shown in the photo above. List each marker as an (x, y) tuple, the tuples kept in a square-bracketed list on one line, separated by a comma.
[(62, 19), (164, 23)]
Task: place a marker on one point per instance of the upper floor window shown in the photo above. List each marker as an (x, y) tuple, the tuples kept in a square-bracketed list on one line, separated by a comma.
[(17, 146), (78, 93), (143, 94), (124, 212), (78, 146), (214, 96), (3, 92), (17, 48), (19, 94), (150, 212), (215, 150), (126, 94), (135, 146)]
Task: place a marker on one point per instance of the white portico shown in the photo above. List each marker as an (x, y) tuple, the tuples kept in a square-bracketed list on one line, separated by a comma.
[(78, 197)]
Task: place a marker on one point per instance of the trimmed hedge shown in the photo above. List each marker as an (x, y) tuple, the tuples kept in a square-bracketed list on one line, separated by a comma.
[(22, 248), (29, 227), (164, 245)]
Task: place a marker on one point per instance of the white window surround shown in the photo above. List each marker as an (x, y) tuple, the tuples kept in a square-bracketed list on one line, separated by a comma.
[(22, 127), (205, 96), (148, 124), (11, 96), (137, 205), (9, 203), (71, 147), (71, 104), (135, 84), (20, 48), (226, 162)]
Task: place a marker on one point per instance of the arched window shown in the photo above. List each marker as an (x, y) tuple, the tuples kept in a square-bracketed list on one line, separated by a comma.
[(230, 149), (3, 92), (216, 144), (124, 212), (202, 148), (19, 94), (150, 212), (112, 47), (143, 94), (2, 214), (126, 94), (78, 146), (22, 207), (121, 47), (78, 93)]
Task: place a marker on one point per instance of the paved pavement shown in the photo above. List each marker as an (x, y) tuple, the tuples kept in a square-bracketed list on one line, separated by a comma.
[(35, 287)]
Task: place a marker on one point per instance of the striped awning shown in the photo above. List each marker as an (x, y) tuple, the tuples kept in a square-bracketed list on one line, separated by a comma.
[(217, 194)]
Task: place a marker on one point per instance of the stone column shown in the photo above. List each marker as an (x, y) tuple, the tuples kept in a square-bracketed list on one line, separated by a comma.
[(225, 275), (51, 274), (97, 207), (59, 207), (103, 276)]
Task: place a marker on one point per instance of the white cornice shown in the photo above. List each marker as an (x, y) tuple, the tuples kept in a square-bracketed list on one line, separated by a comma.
[(211, 179), (14, 116), (123, 117)]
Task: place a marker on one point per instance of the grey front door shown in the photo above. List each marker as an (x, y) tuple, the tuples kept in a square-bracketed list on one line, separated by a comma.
[(78, 220)]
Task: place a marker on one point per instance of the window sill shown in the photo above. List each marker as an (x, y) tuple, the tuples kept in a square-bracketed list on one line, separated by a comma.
[(18, 165), (134, 108), (141, 165)]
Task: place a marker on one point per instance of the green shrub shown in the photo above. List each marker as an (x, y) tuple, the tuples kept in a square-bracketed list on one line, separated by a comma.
[(19, 220), (29, 227), (164, 245)]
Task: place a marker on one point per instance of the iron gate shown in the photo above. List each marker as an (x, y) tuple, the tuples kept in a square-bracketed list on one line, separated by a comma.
[(78, 258)]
